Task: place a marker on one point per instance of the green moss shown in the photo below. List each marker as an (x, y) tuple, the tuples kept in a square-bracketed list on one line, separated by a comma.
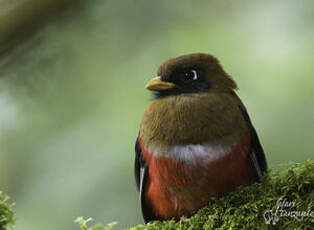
[(83, 224), (245, 207), (6, 213)]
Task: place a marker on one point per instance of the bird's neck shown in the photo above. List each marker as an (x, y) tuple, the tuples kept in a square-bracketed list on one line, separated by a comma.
[(191, 119)]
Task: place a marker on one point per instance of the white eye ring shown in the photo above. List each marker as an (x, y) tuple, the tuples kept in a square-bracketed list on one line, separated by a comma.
[(190, 75), (195, 74)]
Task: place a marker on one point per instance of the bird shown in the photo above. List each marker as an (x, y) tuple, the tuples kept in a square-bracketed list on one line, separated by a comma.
[(195, 139)]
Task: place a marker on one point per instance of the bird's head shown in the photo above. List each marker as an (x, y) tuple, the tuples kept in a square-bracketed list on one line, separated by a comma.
[(191, 73)]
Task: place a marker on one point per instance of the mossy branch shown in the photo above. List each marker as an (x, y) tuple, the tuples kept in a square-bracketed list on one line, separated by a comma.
[(246, 208), (252, 206)]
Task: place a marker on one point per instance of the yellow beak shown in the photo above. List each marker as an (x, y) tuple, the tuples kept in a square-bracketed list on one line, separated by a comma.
[(156, 84)]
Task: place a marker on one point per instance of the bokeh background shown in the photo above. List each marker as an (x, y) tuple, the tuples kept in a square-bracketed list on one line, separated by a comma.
[(72, 92)]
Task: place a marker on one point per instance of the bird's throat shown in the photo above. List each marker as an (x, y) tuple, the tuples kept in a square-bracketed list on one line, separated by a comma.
[(191, 119)]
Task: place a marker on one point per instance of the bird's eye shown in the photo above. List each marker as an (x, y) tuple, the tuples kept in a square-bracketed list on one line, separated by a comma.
[(190, 75)]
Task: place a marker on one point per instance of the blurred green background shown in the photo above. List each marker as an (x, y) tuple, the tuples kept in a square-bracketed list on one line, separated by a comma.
[(72, 95)]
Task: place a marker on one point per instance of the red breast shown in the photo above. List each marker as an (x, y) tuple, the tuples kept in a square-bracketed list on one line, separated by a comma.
[(176, 188)]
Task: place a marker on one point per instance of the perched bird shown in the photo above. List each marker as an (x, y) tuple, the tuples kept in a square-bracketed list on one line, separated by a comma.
[(195, 140)]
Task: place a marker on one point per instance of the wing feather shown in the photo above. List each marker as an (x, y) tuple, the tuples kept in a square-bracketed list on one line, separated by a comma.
[(141, 177), (256, 152)]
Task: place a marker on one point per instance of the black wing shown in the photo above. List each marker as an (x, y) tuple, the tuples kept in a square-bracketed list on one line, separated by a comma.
[(256, 153), (140, 172)]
